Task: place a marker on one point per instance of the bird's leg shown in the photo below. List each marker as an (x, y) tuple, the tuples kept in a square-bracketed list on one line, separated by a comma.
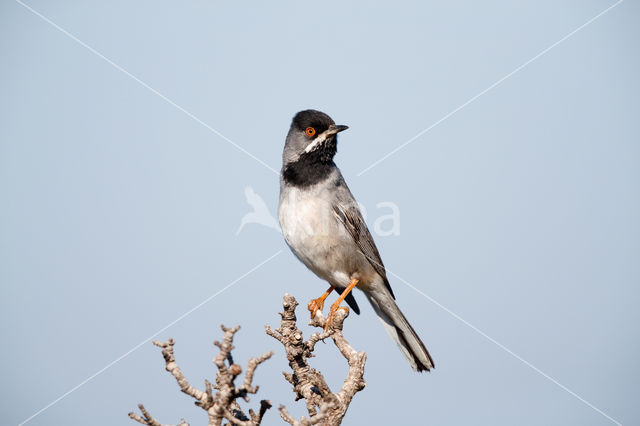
[(317, 304), (337, 303)]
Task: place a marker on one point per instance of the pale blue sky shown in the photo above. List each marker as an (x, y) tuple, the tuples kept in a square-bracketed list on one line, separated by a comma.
[(519, 213)]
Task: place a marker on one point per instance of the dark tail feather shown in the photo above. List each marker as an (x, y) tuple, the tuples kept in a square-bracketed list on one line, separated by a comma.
[(401, 331)]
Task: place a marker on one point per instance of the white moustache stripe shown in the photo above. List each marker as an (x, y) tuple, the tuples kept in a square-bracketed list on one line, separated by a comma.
[(317, 141)]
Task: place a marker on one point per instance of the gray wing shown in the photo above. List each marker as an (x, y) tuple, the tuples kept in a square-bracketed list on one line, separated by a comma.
[(348, 213)]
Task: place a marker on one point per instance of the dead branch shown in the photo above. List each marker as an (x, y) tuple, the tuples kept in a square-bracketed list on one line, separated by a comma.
[(220, 400), (222, 404), (324, 406), (147, 419)]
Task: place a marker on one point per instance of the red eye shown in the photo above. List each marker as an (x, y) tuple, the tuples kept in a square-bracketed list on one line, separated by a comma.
[(310, 131)]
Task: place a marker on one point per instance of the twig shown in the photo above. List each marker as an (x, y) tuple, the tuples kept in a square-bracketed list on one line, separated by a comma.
[(147, 419), (323, 405), (222, 404), (220, 399)]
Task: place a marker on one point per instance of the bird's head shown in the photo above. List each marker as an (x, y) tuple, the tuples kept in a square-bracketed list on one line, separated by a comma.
[(313, 137)]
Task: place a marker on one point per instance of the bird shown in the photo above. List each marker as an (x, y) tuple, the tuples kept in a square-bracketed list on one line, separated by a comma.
[(322, 224)]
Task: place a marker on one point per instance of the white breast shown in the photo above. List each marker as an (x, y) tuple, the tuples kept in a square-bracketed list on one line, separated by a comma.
[(313, 232)]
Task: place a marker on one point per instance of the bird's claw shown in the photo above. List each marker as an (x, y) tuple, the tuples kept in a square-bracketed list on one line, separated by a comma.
[(332, 313), (315, 305)]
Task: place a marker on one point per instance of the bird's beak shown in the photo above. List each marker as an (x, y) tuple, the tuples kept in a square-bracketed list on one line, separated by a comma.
[(333, 129)]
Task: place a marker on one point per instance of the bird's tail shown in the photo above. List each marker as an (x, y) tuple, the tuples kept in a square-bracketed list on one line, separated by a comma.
[(401, 331)]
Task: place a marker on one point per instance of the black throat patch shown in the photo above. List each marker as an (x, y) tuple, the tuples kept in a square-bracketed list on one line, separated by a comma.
[(312, 167)]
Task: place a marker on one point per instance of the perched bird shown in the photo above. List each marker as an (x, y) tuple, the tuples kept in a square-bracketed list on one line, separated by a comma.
[(322, 224)]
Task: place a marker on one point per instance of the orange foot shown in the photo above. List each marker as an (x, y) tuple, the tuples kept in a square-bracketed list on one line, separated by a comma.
[(336, 305), (332, 314), (317, 304)]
